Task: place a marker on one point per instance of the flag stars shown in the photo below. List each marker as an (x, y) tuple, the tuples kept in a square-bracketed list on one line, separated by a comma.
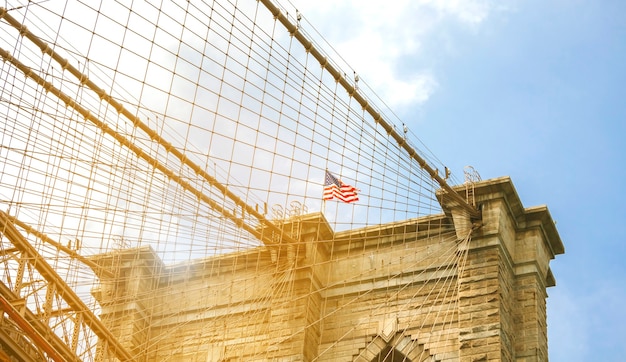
[(335, 188)]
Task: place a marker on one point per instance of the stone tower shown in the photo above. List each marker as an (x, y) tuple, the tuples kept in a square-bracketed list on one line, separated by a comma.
[(327, 297)]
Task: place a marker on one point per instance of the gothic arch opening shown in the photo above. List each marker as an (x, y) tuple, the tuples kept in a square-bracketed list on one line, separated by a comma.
[(400, 348), (389, 354)]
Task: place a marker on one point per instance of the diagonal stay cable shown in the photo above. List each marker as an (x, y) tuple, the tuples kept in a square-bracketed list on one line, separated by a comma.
[(295, 31), (66, 292), (84, 80)]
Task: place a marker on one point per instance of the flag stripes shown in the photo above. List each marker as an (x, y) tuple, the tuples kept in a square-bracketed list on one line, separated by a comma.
[(335, 188)]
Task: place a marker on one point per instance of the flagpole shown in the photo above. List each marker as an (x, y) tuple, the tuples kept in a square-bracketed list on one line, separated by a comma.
[(323, 199)]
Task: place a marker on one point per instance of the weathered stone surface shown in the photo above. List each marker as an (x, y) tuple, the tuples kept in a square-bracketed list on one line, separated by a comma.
[(354, 295)]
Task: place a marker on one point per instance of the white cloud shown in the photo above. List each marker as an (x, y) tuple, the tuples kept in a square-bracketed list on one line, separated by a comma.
[(374, 37), (470, 12)]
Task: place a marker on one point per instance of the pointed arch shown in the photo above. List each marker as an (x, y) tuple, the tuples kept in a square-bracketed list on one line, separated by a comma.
[(389, 354), (400, 348)]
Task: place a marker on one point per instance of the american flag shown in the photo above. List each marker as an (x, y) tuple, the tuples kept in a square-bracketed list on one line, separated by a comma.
[(334, 188)]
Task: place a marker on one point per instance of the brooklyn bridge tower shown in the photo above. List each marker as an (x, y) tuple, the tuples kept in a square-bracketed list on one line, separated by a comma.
[(203, 182)]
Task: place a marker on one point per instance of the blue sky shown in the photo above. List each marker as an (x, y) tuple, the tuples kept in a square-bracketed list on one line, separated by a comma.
[(530, 89), (525, 88)]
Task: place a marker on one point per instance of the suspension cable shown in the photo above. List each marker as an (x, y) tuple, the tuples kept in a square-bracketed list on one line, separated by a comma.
[(294, 30)]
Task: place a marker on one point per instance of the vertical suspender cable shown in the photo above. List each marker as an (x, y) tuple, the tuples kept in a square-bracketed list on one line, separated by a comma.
[(353, 92)]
